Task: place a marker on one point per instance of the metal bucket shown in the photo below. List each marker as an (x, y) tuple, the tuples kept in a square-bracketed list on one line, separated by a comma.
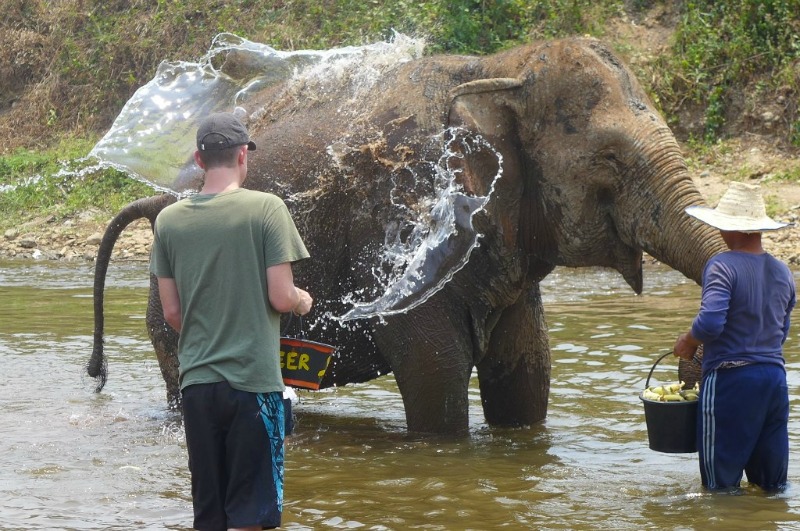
[(671, 426)]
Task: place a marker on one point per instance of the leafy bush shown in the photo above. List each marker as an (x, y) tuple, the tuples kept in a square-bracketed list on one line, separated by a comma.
[(723, 47)]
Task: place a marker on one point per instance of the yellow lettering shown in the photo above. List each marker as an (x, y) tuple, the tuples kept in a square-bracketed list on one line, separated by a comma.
[(295, 361), (303, 362)]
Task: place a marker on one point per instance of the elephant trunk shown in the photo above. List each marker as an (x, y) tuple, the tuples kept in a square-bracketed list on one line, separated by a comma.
[(149, 208), (662, 228)]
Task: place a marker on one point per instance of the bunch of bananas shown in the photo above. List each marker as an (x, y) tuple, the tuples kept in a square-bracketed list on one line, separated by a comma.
[(671, 393)]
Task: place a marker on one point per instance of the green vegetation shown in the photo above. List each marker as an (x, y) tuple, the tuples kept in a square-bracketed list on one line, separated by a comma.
[(771, 205), (67, 67), (789, 175), (23, 163), (723, 50), (70, 65), (48, 183)]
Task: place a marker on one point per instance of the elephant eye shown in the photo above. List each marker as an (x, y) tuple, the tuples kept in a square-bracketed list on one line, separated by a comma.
[(609, 159)]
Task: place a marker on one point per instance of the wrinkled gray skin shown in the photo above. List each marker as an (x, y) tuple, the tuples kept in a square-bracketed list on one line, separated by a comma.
[(592, 176)]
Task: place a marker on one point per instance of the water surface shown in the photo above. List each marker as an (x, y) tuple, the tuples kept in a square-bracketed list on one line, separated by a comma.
[(74, 460)]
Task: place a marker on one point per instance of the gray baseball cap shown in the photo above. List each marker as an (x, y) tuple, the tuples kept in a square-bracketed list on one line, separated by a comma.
[(222, 130)]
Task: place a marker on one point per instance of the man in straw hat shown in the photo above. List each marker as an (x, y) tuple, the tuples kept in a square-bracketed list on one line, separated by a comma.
[(742, 324), (223, 259)]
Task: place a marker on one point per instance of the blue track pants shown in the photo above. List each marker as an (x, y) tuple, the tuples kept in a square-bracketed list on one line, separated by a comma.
[(742, 426)]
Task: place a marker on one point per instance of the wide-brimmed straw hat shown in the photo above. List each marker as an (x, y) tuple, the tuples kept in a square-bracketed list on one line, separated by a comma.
[(740, 209)]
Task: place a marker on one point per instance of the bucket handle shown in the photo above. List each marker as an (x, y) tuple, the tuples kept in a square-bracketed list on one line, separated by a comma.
[(695, 359), (301, 334), (647, 383)]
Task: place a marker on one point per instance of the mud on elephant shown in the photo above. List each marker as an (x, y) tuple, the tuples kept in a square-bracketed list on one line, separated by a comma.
[(558, 158)]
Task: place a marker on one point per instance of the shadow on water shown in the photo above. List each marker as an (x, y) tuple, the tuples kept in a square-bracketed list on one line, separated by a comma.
[(75, 460)]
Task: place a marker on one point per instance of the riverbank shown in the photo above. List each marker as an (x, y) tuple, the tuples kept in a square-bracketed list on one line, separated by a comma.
[(751, 160), (78, 240), (74, 239)]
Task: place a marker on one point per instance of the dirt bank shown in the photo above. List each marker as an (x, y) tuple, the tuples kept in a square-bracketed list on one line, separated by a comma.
[(752, 161), (73, 239), (757, 161)]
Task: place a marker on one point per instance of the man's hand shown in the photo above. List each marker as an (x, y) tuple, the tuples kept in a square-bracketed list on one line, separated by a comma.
[(686, 346), (304, 306), (283, 295)]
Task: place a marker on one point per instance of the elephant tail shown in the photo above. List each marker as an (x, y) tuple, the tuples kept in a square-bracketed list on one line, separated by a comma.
[(148, 207)]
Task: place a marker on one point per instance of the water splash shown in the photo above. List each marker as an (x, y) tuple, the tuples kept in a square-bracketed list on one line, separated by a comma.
[(152, 139), (440, 244)]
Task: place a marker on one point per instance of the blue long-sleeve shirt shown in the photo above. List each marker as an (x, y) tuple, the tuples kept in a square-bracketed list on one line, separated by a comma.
[(744, 313)]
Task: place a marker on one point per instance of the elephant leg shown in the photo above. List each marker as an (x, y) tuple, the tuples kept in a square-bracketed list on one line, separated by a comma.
[(431, 358), (165, 343), (515, 374)]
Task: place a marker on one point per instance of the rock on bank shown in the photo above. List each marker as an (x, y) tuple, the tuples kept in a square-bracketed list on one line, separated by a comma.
[(48, 238)]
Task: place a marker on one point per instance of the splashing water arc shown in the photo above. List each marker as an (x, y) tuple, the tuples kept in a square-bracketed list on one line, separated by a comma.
[(446, 240), (153, 137)]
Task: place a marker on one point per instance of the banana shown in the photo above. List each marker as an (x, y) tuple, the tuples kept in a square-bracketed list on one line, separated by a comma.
[(673, 398), (673, 388), (674, 392), (650, 395)]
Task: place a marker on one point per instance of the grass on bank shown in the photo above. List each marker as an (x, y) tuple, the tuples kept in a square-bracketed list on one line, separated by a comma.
[(36, 184)]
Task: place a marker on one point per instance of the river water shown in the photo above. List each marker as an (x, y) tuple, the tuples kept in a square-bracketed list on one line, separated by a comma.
[(71, 459)]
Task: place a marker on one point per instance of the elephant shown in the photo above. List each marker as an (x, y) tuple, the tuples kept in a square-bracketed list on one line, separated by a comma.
[(558, 158)]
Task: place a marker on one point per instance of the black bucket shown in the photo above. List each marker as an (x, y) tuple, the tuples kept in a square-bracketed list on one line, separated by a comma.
[(671, 426), (303, 362)]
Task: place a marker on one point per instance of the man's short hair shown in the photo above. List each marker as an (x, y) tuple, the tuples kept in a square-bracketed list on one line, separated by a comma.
[(220, 158)]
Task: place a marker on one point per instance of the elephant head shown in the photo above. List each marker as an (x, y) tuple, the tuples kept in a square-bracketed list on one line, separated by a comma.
[(601, 176), (554, 156)]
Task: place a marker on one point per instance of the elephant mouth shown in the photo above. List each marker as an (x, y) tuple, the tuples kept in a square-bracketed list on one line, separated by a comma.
[(628, 261)]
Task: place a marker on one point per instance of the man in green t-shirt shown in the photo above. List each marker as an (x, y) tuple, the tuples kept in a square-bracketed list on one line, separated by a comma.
[(223, 259)]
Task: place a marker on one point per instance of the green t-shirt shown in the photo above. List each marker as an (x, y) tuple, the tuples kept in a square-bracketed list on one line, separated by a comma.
[(218, 247)]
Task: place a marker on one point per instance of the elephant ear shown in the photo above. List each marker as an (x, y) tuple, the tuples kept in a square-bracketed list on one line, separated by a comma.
[(489, 108), (483, 106), (480, 131)]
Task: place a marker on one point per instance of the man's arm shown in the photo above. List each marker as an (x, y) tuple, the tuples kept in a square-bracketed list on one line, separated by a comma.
[(283, 295), (170, 301)]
